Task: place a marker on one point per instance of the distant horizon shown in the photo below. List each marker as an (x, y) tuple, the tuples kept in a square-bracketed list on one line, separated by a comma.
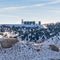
[(46, 11), (30, 20)]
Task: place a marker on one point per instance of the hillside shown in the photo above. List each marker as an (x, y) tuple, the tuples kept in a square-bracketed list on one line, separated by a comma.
[(31, 51), (30, 43)]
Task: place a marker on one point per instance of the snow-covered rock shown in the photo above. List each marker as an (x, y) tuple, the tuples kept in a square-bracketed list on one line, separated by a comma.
[(8, 34)]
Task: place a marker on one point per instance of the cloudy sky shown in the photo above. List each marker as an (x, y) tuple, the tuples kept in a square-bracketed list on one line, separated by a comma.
[(46, 11)]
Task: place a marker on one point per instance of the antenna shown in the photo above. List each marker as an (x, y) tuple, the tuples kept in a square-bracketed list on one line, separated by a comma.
[(22, 21)]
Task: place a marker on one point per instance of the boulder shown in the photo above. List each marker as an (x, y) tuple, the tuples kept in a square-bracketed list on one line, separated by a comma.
[(54, 48), (8, 42)]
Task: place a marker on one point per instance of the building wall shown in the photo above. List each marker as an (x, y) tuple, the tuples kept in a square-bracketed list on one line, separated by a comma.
[(29, 22)]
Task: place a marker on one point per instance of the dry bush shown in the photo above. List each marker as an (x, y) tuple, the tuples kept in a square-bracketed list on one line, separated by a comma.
[(9, 42), (54, 48), (37, 49)]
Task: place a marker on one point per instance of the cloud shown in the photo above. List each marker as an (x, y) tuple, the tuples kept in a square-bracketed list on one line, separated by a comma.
[(11, 16), (31, 6), (20, 7), (54, 2), (55, 11), (12, 8)]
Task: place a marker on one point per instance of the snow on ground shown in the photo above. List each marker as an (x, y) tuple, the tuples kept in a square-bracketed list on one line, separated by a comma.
[(31, 51), (54, 40), (8, 34), (24, 51)]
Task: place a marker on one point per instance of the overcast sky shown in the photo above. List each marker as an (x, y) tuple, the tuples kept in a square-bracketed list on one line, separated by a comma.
[(46, 11)]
